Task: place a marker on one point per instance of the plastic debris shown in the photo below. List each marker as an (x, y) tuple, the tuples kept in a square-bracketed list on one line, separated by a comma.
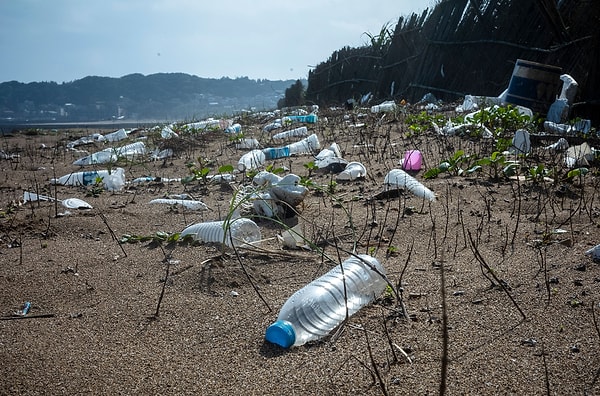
[(594, 253), (188, 204), (241, 232), (353, 171), (398, 179)]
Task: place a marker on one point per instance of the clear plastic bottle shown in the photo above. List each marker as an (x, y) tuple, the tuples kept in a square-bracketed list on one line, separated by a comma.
[(296, 132), (87, 178), (319, 307), (240, 232)]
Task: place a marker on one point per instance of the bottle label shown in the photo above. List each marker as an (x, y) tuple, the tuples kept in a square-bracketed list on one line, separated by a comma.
[(89, 178)]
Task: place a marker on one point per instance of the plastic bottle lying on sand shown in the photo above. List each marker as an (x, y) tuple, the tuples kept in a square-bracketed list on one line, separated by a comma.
[(88, 178), (296, 132), (319, 307), (308, 145), (251, 160), (308, 118), (241, 232)]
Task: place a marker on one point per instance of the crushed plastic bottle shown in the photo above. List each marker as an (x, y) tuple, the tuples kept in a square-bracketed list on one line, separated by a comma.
[(113, 179), (241, 232), (251, 160), (314, 311)]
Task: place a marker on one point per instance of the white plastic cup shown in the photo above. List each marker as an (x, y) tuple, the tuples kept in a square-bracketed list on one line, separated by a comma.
[(412, 160), (353, 171)]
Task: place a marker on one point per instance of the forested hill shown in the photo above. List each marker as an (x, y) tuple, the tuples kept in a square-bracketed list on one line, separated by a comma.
[(162, 96)]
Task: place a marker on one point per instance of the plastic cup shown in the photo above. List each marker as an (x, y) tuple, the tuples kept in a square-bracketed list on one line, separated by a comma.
[(412, 160), (353, 171)]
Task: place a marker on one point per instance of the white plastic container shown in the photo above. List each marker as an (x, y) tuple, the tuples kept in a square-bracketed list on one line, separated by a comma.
[(241, 232), (319, 307), (296, 132), (88, 178), (276, 152), (308, 145), (384, 107), (247, 143), (186, 203), (251, 160), (353, 171), (235, 128)]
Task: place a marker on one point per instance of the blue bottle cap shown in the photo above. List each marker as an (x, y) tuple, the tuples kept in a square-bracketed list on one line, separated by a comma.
[(281, 333)]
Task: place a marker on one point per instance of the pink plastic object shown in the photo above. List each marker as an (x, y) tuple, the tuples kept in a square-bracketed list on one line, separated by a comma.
[(412, 160)]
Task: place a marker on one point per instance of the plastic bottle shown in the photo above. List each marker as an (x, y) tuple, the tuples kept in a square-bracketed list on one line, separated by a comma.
[(276, 152), (308, 145), (84, 178), (308, 118), (384, 107), (241, 231), (319, 307), (235, 128), (296, 132), (251, 160)]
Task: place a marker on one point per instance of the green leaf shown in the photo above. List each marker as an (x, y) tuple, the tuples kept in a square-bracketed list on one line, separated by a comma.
[(432, 173), (226, 168)]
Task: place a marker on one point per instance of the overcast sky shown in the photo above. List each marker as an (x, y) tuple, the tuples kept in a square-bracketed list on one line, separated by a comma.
[(65, 40)]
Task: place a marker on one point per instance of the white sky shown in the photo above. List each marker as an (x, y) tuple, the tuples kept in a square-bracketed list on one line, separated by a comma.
[(65, 40)]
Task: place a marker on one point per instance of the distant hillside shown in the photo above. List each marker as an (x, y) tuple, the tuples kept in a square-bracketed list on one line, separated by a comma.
[(135, 97)]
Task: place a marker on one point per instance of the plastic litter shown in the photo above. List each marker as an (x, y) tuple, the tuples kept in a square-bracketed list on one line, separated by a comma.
[(251, 160), (241, 232), (116, 136), (293, 238), (309, 118), (560, 145), (296, 132), (113, 180), (168, 133), (569, 88), (247, 143), (235, 128), (314, 311), (308, 145), (521, 143), (412, 160), (578, 155), (69, 203), (398, 179), (353, 171), (594, 253), (186, 203), (385, 107)]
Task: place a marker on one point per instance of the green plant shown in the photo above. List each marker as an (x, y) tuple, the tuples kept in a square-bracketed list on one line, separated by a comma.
[(421, 122), (502, 120), (311, 167), (497, 165), (452, 165), (94, 190)]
